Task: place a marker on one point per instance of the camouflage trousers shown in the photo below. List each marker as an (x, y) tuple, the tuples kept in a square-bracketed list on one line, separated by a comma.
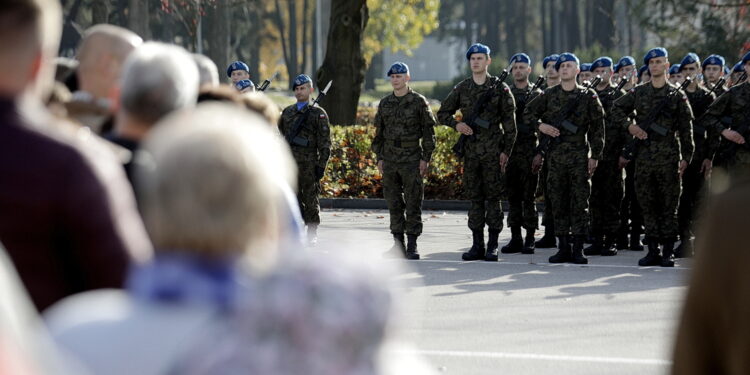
[(547, 219), (657, 187), (631, 216), (308, 189), (521, 186), (607, 190), (403, 192), (569, 188), (693, 192), (482, 187)]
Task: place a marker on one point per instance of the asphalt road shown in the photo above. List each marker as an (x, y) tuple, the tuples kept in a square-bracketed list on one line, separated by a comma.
[(520, 315)]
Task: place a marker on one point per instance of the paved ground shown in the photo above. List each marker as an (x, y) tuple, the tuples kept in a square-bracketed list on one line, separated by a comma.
[(523, 315)]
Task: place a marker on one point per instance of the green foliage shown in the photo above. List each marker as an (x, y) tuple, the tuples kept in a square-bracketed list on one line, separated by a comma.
[(399, 25), (352, 170)]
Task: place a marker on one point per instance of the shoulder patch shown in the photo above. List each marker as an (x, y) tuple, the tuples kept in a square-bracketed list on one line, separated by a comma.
[(506, 89), (322, 115), (594, 96)]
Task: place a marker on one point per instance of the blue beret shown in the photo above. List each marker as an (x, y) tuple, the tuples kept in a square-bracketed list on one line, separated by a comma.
[(739, 67), (551, 58), (301, 80), (746, 58), (655, 52), (623, 62), (477, 48), (642, 70), (690, 58), (602, 62), (520, 57), (586, 67), (565, 57), (713, 60), (245, 83), (398, 68), (237, 65), (674, 69)]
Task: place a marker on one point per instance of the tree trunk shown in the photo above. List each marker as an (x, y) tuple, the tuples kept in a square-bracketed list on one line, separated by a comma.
[(218, 22), (100, 12), (315, 45), (138, 18), (305, 34), (286, 51), (522, 26), (293, 62), (374, 71), (344, 62), (573, 25), (546, 43), (604, 19)]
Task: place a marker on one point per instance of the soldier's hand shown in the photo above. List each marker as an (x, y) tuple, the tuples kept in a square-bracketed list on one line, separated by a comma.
[(637, 132), (706, 168), (622, 163), (503, 161), (683, 166), (592, 166), (536, 163), (380, 167), (549, 130), (733, 136), (423, 165), (464, 129)]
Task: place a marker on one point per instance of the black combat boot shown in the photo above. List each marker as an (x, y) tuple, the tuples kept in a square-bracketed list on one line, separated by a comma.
[(685, 248), (653, 258), (564, 253), (312, 234), (622, 239), (411, 247), (398, 249), (548, 240), (491, 255), (635, 242), (528, 243), (667, 253), (608, 248), (578, 257), (596, 246), (516, 242), (477, 248)]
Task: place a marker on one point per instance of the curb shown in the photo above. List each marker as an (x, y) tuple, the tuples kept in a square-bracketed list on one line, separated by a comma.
[(380, 204)]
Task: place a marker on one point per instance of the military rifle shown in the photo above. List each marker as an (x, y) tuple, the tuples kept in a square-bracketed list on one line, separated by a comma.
[(700, 131), (521, 105), (473, 120), (561, 121), (742, 78), (263, 86), (649, 125), (293, 136)]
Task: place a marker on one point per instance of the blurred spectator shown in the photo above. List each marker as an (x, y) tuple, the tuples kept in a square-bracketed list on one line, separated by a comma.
[(209, 73), (210, 199), (69, 222), (220, 93), (101, 56), (261, 104), (65, 73), (714, 334), (155, 82)]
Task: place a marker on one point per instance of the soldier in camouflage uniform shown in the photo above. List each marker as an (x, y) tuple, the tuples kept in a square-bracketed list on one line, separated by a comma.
[(607, 183), (713, 69), (521, 180), (403, 118), (310, 148), (487, 150), (699, 170), (660, 161), (573, 156), (548, 240), (734, 104)]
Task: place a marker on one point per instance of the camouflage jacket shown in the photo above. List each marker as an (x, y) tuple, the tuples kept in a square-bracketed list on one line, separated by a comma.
[(614, 136), (706, 138), (400, 123), (500, 109), (316, 131), (526, 139), (676, 117), (731, 110), (588, 115)]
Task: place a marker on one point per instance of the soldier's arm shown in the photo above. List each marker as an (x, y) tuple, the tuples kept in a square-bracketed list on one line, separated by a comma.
[(448, 108), (685, 126), (713, 138), (378, 141), (324, 139), (508, 120), (596, 127), (534, 110), (622, 108), (428, 131), (716, 111)]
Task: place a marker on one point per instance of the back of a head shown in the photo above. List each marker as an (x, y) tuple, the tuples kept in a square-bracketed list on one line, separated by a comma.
[(101, 54), (261, 104), (214, 186), (209, 73), (156, 80), (29, 32)]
